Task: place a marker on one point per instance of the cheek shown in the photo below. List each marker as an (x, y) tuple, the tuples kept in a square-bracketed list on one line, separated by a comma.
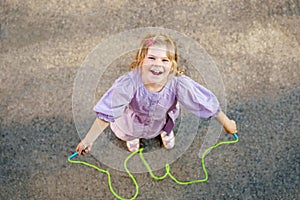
[(168, 67), (146, 65), (147, 62)]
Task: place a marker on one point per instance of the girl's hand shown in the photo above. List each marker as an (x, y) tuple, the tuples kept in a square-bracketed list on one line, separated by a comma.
[(83, 149), (230, 127)]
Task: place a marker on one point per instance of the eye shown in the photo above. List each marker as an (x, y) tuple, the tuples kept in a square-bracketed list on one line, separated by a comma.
[(165, 60), (151, 58)]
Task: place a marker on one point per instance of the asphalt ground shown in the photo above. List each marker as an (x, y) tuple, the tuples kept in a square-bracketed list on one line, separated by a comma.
[(254, 44)]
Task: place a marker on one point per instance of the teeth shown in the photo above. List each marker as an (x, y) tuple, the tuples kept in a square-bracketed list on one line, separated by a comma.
[(156, 70), (156, 73)]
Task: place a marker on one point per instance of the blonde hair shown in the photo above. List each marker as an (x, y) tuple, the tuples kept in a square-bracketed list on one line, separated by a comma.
[(159, 39)]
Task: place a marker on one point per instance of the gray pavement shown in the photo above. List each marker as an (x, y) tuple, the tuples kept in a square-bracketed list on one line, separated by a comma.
[(255, 45)]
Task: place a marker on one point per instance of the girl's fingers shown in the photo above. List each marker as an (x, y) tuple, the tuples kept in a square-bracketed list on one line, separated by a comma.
[(82, 149), (79, 148), (234, 127), (231, 127), (86, 151)]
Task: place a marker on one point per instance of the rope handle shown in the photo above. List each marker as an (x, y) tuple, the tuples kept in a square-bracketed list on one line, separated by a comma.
[(73, 155), (235, 136)]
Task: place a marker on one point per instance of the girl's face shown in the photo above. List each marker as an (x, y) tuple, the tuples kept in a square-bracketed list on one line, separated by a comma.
[(156, 66)]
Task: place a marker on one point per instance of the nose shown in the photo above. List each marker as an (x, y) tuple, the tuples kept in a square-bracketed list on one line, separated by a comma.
[(158, 62)]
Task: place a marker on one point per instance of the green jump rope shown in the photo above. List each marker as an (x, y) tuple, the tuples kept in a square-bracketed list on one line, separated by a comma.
[(168, 173)]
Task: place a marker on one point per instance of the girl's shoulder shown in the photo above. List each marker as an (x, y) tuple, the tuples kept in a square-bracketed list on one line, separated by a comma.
[(129, 79), (182, 80), (185, 83), (130, 76), (178, 83)]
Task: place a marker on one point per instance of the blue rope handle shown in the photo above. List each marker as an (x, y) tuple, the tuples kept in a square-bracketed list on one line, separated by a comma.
[(235, 136), (73, 155)]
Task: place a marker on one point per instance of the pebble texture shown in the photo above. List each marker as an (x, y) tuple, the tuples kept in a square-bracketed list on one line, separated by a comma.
[(255, 45)]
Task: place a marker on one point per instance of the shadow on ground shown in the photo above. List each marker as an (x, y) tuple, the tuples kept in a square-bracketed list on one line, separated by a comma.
[(264, 164)]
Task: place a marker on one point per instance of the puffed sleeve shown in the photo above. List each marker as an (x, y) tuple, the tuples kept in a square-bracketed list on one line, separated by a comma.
[(196, 98), (113, 103)]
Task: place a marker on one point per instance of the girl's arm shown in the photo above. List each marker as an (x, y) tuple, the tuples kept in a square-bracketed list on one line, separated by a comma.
[(229, 125), (96, 129)]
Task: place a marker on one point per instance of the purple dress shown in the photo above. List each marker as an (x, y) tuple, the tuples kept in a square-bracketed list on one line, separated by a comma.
[(135, 112)]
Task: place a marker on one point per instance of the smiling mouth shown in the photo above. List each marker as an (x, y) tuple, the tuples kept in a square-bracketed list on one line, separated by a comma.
[(156, 72)]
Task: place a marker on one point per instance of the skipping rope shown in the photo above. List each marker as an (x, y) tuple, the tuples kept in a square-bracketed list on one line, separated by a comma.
[(168, 173)]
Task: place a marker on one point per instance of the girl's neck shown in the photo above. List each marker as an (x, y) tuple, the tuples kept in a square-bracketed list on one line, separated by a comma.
[(154, 87)]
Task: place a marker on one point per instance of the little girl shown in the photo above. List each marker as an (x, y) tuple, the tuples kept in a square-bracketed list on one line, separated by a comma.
[(144, 103)]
